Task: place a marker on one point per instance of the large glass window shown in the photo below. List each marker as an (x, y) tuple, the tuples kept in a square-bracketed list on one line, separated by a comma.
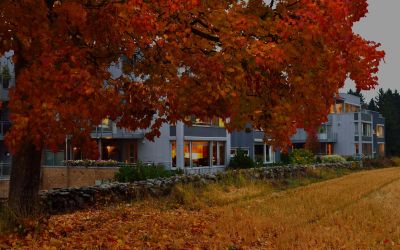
[(381, 149), (350, 108), (367, 129), (367, 149), (53, 159), (200, 154), (173, 153), (222, 153), (339, 108), (268, 155), (259, 153), (356, 128), (380, 131), (332, 109), (218, 157), (197, 153), (186, 150)]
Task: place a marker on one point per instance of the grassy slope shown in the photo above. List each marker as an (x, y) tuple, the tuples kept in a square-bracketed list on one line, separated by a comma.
[(355, 211)]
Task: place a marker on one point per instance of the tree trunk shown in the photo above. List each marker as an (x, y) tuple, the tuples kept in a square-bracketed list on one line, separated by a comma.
[(25, 180)]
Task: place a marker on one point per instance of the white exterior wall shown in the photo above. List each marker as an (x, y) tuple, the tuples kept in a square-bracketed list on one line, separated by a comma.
[(158, 151), (343, 125)]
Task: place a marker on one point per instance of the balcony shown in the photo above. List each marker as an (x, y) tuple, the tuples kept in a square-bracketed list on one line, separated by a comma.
[(112, 132), (301, 137)]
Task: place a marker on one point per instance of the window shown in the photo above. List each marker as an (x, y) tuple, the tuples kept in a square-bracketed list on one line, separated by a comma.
[(263, 153), (173, 153), (198, 154), (233, 152), (357, 148), (356, 128), (367, 149), (259, 153), (186, 152), (366, 129), (329, 149), (322, 129), (380, 131), (350, 108), (53, 159), (106, 125), (339, 108), (132, 152), (268, 154), (222, 153), (218, 157), (381, 149), (332, 109), (216, 122)]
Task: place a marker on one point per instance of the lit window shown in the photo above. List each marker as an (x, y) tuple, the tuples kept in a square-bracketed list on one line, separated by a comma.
[(380, 131), (381, 149), (339, 108)]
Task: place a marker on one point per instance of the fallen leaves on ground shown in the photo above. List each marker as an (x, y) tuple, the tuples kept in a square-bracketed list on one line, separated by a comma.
[(356, 211)]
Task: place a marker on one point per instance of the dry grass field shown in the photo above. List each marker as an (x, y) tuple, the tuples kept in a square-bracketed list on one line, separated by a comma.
[(356, 211)]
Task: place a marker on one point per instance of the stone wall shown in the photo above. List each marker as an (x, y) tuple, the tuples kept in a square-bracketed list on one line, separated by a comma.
[(70, 199), (64, 177)]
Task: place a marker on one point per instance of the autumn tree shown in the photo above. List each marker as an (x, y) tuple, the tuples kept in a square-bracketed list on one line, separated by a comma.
[(274, 64)]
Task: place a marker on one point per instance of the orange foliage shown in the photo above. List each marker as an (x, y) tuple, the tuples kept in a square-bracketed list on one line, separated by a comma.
[(276, 67)]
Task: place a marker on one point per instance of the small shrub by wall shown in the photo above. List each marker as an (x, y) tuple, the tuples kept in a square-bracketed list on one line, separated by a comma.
[(301, 156), (379, 163), (332, 159), (140, 171), (241, 160)]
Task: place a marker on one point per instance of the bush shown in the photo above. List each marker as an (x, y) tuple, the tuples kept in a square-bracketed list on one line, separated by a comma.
[(91, 163), (241, 160), (301, 156), (140, 172), (396, 160), (379, 163), (332, 159)]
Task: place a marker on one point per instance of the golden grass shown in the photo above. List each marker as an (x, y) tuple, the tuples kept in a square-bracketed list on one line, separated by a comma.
[(357, 211)]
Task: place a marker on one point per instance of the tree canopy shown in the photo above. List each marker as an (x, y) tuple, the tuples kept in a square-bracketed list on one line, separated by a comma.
[(274, 64)]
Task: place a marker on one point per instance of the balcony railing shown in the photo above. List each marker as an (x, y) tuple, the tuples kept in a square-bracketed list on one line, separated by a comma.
[(301, 137)]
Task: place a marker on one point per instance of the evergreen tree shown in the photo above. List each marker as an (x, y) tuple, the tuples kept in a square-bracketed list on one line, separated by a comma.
[(372, 105), (388, 104)]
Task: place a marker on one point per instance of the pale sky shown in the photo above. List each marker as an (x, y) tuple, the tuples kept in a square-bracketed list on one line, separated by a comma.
[(382, 25)]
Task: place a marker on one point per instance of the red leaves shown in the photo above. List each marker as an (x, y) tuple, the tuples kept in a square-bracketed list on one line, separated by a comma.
[(203, 58)]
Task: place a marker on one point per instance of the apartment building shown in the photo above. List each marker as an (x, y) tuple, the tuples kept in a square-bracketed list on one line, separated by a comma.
[(350, 130), (206, 146)]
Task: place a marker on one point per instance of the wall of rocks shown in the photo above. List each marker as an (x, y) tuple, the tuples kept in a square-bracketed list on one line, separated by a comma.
[(63, 200)]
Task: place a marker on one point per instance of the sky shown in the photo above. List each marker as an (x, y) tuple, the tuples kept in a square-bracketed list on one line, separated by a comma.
[(382, 25)]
